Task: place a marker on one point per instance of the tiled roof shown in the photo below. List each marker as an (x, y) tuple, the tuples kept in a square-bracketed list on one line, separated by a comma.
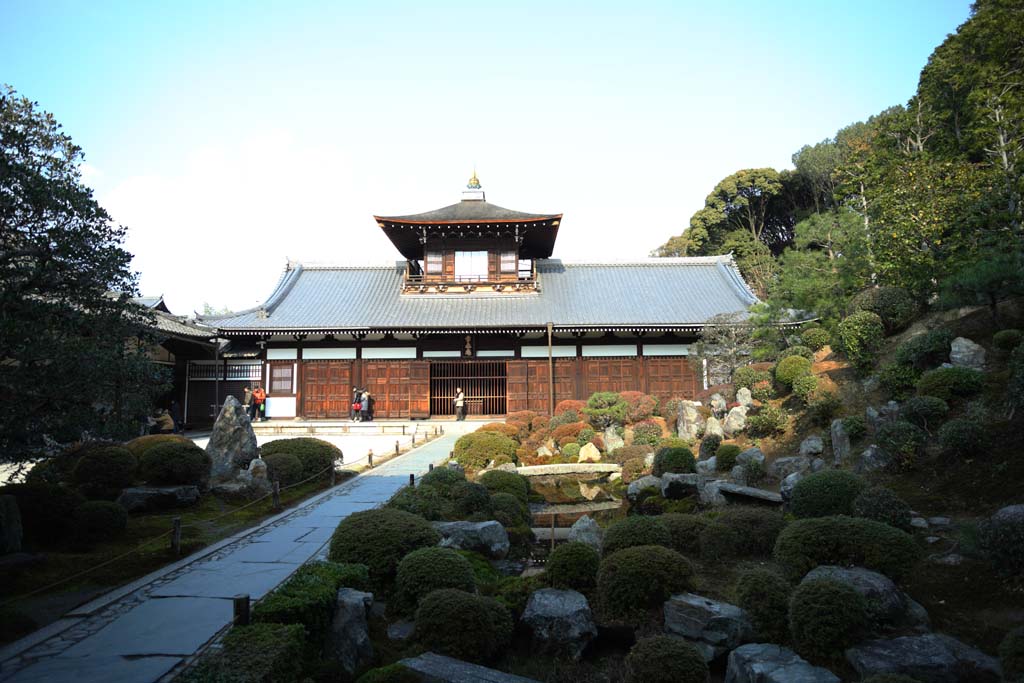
[(469, 211), (180, 327), (654, 293)]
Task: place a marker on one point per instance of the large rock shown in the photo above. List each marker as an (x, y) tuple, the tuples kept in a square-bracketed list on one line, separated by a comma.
[(748, 494), (812, 446), (586, 530), (232, 443), (872, 459), (710, 494), (888, 607), (744, 397), (676, 486), (716, 627), (718, 405), (1011, 514), (488, 538), (151, 498), (929, 658), (10, 525), (689, 421), (638, 485), (764, 663), (751, 455), (589, 453), (434, 668), (348, 638), (612, 440), (966, 354), (708, 467), (560, 620), (788, 484), (736, 421), (713, 427), (840, 441), (783, 467)]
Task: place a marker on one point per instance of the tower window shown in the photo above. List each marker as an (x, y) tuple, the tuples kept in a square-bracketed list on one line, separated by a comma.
[(471, 266)]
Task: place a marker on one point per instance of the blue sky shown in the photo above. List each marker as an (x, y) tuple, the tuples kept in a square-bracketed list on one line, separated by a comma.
[(230, 135)]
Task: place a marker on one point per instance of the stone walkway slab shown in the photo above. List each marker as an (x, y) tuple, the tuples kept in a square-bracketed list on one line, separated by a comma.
[(99, 669)]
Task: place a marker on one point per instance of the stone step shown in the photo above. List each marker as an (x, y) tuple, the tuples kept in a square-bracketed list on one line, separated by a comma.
[(569, 468), (440, 669)]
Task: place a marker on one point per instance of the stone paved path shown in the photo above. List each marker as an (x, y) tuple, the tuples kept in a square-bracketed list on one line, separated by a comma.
[(146, 633)]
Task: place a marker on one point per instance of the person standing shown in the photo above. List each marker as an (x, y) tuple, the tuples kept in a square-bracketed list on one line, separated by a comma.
[(460, 404), (364, 406), (259, 398), (354, 407), (247, 402)]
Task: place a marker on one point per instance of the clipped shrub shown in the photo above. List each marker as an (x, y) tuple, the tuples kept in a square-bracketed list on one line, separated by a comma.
[(633, 469), (509, 510), (316, 455), (763, 391), (765, 595), (1011, 655), (815, 338), (525, 417), (804, 387), (926, 412), (847, 541), (894, 306), (741, 532), (442, 479), (825, 493), (259, 653), (684, 530), (639, 406), (709, 445), (58, 469), (566, 417), (514, 592), (633, 531), (457, 624), (925, 350), (568, 432), (646, 433), (604, 409), (674, 460), (100, 520), (633, 580), (430, 569), (963, 438), (951, 383), (283, 467), (573, 566), (747, 376), (1002, 541), (725, 457), (571, 450), (392, 673), (425, 501), (139, 445), (898, 380), (585, 436), (675, 442), (788, 369), (174, 463), (754, 472), (796, 350), (664, 659), (47, 511), (856, 426), (379, 539), (825, 618), (570, 404), (103, 471), (468, 498), (509, 430), (476, 449), (903, 441), (625, 453), (767, 421), (499, 481), (860, 335), (1007, 340), (882, 505)]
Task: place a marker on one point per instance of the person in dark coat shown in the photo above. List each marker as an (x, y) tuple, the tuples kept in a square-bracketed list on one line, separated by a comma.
[(364, 406), (460, 404)]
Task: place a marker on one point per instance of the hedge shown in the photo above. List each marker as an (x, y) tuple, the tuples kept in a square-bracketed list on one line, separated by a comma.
[(925, 350), (100, 520), (454, 623), (316, 455), (903, 442), (926, 412), (509, 430), (1002, 542), (764, 595), (173, 463), (846, 541), (573, 566), (664, 659), (425, 501), (826, 493), (963, 438), (103, 471), (442, 479), (509, 510), (882, 505), (475, 450), (674, 460), (260, 653), (951, 383), (825, 618), (283, 467), (898, 380), (47, 511), (633, 531), (428, 569), (796, 350), (468, 498), (631, 581), (741, 532), (684, 530), (379, 539), (139, 445)]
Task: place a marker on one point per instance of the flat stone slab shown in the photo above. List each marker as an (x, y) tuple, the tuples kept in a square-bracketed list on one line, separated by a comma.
[(97, 669), (440, 669), (749, 492), (569, 468), (226, 579), (170, 626)]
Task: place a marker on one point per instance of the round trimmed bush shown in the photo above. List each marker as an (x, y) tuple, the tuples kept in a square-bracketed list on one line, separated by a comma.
[(709, 446), (725, 457), (1011, 655), (748, 377), (631, 581), (1001, 539), (457, 624), (174, 463), (1007, 340), (573, 566), (647, 432), (392, 673), (894, 305), (468, 498), (509, 510), (860, 335), (139, 445), (100, 520), (804, 387), (499, 481), (633, 469), (963, 438), (903, 442), (380, 539), (788, 369), (765, 596), (664, 659), (635, 530), (763, 391), (585, 436), (768, 420), (102, 472), (47, 510), (442, 479), (685, 530), (741, 532), (283, 467), (625, 453), (825, 493), (845, 541), (571, 450), (316, 455), (925, 350), (476, 449), (951, 383), (815, 338), (882, 505), (825, 618), (674, 460), (509, 430), (796, 350), (926, 412), (425, 501), (430, 569), (898, 380)]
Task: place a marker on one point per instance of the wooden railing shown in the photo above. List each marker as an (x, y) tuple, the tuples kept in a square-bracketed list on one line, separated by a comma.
[(506, 282)]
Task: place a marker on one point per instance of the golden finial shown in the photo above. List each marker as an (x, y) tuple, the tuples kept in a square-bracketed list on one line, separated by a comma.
[(474, 182)]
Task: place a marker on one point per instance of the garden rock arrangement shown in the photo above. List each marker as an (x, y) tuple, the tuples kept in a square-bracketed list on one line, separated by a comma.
[(232, 443), (967, 354), (933, 657), (714, 627), (765, 663), (560, 620), (888, 606), (152, 498), (348, 638), (586, 530), (489, 538)]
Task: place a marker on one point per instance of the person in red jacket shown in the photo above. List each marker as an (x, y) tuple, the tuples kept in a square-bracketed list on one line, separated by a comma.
[(259, 399)]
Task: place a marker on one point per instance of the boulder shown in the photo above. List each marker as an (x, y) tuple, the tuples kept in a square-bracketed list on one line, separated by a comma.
[(817, 465), (586, 530), (929, 658), (718, 405), (452, 465), (750, 455), (719, 625), (744, 397), (739, 475), (488, 538), (888, 607), (258, 469), (506, 467), (689, 421), (560, 620), (348, 638), (676, 486), (713, 426), (232, 443), (544, 452), (765, 663), (709, 466), (589, 453), (872, 459), (638, 485), (783, 467), (591, 491), (890, 412), (10, 525), (966, 354), (812, 447), (710, 494), (612, 440), (788, 484), (401, 630), (840, 442), (434, 668), (748, 494), (152, 498), (1011, 514), (736, 421)]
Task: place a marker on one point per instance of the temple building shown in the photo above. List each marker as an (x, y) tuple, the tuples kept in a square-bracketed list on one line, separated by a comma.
[(476, 302)]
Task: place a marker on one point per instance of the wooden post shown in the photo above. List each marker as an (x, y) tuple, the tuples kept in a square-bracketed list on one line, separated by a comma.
[(334, 476), (275, 495), (241, 604), (553, 531), (412, 479), (430, 467), (369, 456), (176, 536), (396, 446)]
